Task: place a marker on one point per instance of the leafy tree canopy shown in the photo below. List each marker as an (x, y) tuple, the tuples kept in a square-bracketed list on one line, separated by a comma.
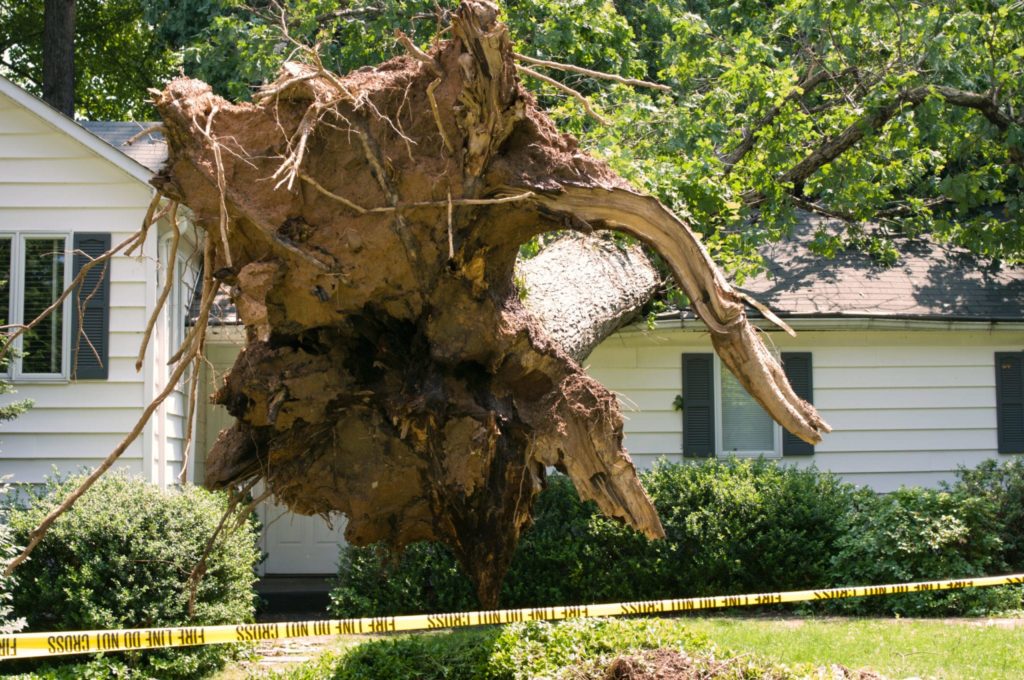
[(909, 115)]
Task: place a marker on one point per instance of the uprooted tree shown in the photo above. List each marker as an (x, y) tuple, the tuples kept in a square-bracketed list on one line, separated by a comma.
[(368, 227)]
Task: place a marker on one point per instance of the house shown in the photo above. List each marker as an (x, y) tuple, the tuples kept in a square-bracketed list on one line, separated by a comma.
[(66, 195), (67, 187), (917, 367), (914, 366)]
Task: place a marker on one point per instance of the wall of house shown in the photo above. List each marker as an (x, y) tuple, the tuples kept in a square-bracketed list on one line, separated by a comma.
[(907, 406), (50, 182), (172, 418)]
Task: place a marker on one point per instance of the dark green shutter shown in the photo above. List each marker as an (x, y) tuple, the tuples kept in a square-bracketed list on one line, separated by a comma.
[(698, 405), (1010, 401), (91, 307), (797, 366)]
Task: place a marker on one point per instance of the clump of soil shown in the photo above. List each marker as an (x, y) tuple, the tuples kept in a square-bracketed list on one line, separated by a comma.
[(669, 664)]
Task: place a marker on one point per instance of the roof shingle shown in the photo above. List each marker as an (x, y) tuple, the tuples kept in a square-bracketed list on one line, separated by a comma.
[(931, 281)]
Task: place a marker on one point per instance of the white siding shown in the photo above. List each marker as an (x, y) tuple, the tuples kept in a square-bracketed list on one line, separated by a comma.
[(907, 406), (50, 182)]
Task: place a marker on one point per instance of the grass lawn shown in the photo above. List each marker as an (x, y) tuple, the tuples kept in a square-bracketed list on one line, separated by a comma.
[(893, 647)]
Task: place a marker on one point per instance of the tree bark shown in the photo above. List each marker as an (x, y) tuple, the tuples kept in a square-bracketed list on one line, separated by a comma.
[(581, 289), (369, 227), (59, 55)]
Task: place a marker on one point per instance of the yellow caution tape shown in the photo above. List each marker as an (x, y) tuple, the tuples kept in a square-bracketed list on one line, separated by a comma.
[(25, 645)]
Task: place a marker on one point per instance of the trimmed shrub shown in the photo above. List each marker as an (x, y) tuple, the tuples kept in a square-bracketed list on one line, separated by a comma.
[(120, 558), (922, 534), (1003, 485), (8, 622), (747, 525), (423, 578), (731, 526)]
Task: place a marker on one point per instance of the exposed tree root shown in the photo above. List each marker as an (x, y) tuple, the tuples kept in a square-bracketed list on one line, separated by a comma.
[(391, 371)]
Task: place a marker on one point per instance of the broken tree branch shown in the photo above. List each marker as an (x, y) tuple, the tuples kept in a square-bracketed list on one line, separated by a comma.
[(593, 74)]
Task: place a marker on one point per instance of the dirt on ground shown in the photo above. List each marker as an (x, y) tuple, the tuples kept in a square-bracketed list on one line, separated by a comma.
[(669, 664)]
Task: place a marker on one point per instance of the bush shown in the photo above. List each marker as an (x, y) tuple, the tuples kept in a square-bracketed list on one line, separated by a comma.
[(120, 559), (1003, 485), (424, 578), (922, 534), (8, 622), (518, 651), (731, 527)]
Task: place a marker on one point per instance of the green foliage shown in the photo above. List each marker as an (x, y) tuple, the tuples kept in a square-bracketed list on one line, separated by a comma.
[(541, 649), (424, 578), (120, 558), (736, 526), (921, 534), (514, 652), (9, 623), (117, 55), (1002, 484), (740, 72)]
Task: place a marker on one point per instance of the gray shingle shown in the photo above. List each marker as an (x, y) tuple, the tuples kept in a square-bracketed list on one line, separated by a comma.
[(931, 281), (149, 150)]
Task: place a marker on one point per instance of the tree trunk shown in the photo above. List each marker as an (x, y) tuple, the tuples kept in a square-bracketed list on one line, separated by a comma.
[(59, 55), (369, 227), (581, 289)]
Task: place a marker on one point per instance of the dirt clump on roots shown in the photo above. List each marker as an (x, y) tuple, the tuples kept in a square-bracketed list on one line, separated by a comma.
[(367, 227), (670, 664)]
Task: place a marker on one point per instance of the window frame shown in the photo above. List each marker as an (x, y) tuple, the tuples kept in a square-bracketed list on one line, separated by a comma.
[(16, 301), (720, 450)]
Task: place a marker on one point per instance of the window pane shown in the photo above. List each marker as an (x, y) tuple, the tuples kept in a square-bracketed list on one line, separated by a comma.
[(745, 425), (44, 282)]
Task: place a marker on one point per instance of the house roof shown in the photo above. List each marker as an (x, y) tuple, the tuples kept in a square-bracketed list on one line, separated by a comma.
[(149, 150), (62, 123), (931, 281)]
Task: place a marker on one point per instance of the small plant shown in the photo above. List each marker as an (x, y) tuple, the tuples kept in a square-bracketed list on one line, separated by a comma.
[(121, 557)]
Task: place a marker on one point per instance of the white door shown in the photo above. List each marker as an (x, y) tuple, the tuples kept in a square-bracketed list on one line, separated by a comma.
[(294, 544), (297, 544)]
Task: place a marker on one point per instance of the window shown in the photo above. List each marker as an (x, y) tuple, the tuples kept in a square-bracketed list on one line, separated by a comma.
[(179, 298), (721, 419), (72, 340), (35, 270), (1010, 401)]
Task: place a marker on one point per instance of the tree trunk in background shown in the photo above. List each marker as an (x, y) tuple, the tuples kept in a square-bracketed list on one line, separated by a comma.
[(59, 55), (368, 226)]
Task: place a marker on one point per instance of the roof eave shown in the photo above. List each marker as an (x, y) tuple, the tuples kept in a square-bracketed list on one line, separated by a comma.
[(63, 124)]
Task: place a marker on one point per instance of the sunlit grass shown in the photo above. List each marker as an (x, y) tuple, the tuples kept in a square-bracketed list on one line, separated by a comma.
[(895, 648)]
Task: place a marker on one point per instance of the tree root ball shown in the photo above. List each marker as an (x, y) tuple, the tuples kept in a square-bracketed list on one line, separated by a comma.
[(368, 227)]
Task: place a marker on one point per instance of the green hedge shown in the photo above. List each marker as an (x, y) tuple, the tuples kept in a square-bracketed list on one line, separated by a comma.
[(923, 535), (120, 559), (9, 623), (732, 526), (1003, 485)]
